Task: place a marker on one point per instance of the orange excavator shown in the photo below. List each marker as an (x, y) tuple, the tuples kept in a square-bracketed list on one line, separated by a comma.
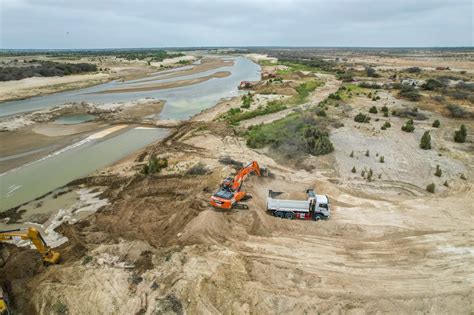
[(33, 235), (230, 191)]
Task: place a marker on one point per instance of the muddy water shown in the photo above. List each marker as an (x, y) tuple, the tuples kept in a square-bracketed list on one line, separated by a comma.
[(181, 102), (38, 178), (35, 179), (74, 119)]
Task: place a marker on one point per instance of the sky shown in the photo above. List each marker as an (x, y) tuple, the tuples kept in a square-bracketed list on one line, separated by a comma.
[(67, 24)]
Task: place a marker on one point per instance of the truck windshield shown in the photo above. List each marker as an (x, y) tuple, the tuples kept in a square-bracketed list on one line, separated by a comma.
[(323, 205)]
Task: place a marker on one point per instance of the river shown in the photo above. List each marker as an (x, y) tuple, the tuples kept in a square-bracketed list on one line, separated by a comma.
[(38, 178)]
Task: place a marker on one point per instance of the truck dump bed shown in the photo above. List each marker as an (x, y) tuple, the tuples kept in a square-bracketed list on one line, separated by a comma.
[(286, 205)]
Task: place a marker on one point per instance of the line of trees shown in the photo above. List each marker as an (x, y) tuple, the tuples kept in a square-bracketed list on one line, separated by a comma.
[(44, 69)]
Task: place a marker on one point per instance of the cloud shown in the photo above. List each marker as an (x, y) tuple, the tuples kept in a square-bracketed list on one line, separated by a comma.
[(148, 23)]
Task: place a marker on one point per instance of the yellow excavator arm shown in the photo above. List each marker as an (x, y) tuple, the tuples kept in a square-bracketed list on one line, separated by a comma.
[(33, 235)]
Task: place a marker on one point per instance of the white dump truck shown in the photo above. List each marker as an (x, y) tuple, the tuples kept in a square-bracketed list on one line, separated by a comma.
[(316, 207)]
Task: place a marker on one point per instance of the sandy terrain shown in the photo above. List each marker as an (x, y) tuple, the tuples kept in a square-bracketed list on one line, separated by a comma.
[(171, 61), (168, 85), (29, 137), (205, 65), (29, 87)]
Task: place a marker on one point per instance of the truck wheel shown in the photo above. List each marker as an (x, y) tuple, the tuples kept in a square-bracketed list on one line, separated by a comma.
[(290, 215), (279, 214), (317, 217)]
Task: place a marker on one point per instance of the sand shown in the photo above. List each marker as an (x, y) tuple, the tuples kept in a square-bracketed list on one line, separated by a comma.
[(29, 87), (167, 85)]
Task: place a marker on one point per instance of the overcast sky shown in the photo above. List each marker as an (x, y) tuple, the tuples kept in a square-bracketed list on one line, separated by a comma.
[(170, 23)]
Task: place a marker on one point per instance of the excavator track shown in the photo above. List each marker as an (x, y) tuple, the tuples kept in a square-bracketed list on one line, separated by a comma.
[(240, 206)]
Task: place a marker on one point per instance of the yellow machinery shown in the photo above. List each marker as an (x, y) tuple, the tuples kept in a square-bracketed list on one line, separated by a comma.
[(4, 303), (33, 235)]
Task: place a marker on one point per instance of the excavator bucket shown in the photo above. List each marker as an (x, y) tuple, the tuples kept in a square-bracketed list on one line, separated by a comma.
[(51, 258)]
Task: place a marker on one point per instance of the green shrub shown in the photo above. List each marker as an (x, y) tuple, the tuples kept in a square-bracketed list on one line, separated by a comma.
[(436, 123), (367, 153), (316, 142), (425, 142), (384, 109), (321, 113), (387, 124), (431, 188), (369, 175), (382, 159), (413, 70), (438, 171), (463, 177), (235, 115), (154, 165), (361, 118), (60, 308), (87, 259), (408, 127), (352, 154), (334, 96), (354, 169), (446, 183), (432, 84), (247, 100), (373, 110), (371, 72), (460, 135), (410, 93)]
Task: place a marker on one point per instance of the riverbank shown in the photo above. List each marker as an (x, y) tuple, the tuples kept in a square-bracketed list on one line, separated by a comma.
[(27, 138)]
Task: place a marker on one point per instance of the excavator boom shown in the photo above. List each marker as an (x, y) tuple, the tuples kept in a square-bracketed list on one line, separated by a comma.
[(229, 193), (33, 235)]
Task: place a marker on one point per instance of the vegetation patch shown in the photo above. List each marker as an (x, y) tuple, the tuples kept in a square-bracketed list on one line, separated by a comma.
[(44, 69), (361, 118), (290, 135), (410, 93), (460, 135), (154, 165)]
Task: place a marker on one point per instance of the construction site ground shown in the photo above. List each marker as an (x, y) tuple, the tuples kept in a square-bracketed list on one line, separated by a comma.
[(159, 248)]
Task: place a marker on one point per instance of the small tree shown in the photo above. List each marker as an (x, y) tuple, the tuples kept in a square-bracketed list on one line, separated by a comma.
[(352, 154), (408, 127), (316, 142), (354, 169), (463, 177), (367, 153), (436, 123), (425, 143), (446, 183), (431, 188), (438, 171), (371, 72), (460, 135), (361, 118), (373, 110), (386, 125), (382, 159), (369, 175)]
